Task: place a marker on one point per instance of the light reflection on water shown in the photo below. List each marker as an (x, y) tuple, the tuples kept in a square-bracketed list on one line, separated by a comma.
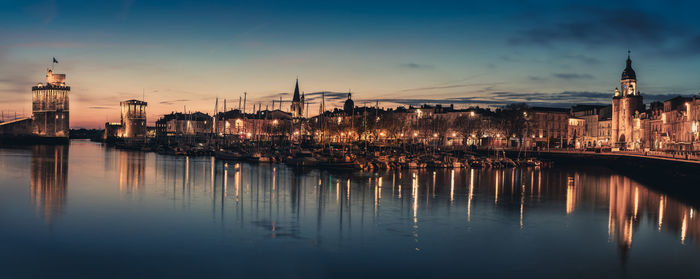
[(321, 223)]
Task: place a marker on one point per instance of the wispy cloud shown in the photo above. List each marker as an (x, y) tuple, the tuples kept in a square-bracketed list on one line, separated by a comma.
[(583, 59), (330, 96), (450, 86), (172, 102), (416, 66), (501, 98), (570, 76)]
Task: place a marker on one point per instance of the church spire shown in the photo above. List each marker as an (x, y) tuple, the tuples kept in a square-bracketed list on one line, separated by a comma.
[(296, 97)]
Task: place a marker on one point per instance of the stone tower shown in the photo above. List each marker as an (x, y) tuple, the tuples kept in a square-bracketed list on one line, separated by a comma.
[(625, 103), (133, 118), (50, 106), (297, 103)]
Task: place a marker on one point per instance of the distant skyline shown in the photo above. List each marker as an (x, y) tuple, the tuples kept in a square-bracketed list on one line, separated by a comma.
[(187, 53)]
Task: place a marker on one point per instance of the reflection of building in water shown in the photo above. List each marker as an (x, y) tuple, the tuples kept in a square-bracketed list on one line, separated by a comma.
[(49, 174), (131, 170), (338, 206), (629, 202), (623, 212)]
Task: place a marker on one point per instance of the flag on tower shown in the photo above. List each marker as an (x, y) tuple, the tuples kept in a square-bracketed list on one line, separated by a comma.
[(54, 60)]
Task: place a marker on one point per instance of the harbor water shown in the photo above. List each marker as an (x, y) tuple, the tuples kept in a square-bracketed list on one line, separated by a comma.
[(85, 210)]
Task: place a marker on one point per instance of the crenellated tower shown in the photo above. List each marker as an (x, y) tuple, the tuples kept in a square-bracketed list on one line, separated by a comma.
[(50, 117)]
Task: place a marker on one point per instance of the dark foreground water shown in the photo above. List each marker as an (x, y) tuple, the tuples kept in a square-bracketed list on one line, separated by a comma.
[(89, 211)]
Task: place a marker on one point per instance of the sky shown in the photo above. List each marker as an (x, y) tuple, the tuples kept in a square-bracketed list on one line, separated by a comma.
[(181, 55)]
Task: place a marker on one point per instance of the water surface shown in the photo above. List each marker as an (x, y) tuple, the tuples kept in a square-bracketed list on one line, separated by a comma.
[(88, 211)]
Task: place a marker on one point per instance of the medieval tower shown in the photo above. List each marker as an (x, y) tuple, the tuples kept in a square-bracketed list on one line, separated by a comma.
[(133, 119), (625, 103), (50, 106)]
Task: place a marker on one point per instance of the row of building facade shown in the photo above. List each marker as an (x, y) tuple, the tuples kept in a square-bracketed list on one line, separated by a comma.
[(626, 124)]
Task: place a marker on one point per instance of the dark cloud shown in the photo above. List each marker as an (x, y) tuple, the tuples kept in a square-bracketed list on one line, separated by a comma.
[(416, 66), (595, 27), (687, 46), (501, 98), (100, 107), (570, 76), (496, 99), (171, 102), (438, 87), (582, 58), (622, 28), (332, 96), (662, 97)]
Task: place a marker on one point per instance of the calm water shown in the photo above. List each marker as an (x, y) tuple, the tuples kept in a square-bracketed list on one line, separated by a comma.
[(90, 211)]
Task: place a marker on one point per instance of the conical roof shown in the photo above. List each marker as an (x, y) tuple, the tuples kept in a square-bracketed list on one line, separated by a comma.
[(296, 97)]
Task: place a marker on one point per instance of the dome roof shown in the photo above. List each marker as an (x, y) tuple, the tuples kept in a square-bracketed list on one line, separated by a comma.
[(628, 72), (349, 105)]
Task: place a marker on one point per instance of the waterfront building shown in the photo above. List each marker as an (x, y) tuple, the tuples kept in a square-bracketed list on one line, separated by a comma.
[(133, 121), (626, 103), (184, 124), (576, 132), (261, 125), (593, 115), (604, 132), (547, 127), (50, 110), (133, 118)]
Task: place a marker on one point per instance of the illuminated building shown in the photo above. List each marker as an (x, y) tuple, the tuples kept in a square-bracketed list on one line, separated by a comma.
[(179, 124), (133, 121), (50, 117), (547, 127), (133, 118), (596, 132), (260, 125), (626, 103)]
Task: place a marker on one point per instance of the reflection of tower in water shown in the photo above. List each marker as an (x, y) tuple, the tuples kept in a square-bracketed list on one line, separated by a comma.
[(622, 212), (131, 170), (49, 174), (629, 202)]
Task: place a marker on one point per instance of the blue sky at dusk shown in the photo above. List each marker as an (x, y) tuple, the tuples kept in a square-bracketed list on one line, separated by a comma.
[(187, 53)]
